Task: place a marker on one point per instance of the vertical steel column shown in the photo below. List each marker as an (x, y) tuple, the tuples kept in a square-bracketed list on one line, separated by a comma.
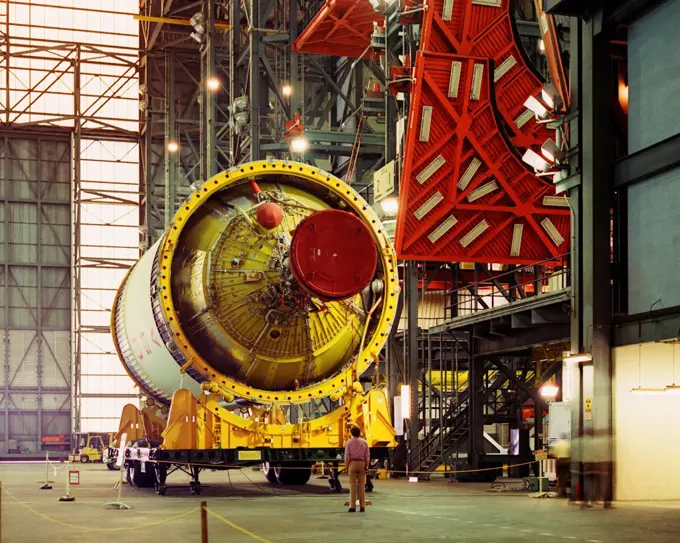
[(254, 80), (596, 189), (76, 340), (170, 136), (39, 309), (208, 102), (6, 205), (297, 96), (573, 393), (412, 344), (476, 411), (234, 79)]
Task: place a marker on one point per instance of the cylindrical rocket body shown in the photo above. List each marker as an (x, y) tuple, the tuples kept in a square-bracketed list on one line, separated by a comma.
[(224, 298)]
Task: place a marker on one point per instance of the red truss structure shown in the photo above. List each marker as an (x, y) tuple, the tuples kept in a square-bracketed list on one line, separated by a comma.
[(486, 29), (465, 194), (342, 28)]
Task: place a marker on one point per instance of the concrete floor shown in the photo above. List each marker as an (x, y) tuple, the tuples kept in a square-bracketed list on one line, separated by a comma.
[(401, 511)]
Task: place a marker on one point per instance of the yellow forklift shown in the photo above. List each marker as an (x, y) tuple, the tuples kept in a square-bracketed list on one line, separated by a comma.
[(91, 446)]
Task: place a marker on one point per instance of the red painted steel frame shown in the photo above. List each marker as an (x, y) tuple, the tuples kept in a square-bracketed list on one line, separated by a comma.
[(342, 28), (462, 129), (489, 32)]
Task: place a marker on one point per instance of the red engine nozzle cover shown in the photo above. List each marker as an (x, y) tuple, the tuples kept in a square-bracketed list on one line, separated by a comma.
[(333, 255)]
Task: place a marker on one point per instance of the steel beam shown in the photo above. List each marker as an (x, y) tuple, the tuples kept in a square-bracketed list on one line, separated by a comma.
[(649, 162), (412, 346), (170, 136)]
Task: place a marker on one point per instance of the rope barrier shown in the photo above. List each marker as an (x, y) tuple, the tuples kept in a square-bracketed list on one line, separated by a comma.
[(90, 529), (237, 527), (405, 472)]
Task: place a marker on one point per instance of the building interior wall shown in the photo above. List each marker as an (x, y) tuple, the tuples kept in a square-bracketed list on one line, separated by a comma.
[(646, 432), (654, 205)]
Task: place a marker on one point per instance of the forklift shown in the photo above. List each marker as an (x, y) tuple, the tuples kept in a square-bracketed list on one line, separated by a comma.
[(92, 446)]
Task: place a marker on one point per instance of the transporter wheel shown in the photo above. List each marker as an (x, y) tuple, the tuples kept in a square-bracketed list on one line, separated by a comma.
[(137, 478), (84, 459), (112, 465), (160, 488), (269, 472), (195, 488), (293, 474)]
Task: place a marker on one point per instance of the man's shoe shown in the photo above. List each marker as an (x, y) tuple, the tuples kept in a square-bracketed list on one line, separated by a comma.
[(362, 510), (352, 510)]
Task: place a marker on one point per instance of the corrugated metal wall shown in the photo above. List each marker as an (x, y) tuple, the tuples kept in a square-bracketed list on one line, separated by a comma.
[(35, 282)]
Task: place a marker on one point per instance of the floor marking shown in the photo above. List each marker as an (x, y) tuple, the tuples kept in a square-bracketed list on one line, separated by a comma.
[(570, 537), (547, 534), (594, 541), (526, 531)]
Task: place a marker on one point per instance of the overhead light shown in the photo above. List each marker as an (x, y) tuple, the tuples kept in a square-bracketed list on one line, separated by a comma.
[(213, 83), (173, 146), (287, 90), (390, 205), (406, 401), (299, 144), (197, 22), (648, 391), (549, 391), (535, 105), (551, 151), (673, 389), (536, 161), (541, 46), (198, 38), (578, 358)]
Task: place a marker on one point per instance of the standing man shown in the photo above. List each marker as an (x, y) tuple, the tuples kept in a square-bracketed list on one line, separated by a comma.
[(357, 457)]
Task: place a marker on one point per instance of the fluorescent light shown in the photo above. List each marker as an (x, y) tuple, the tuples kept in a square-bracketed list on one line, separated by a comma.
[(516, 246), (442, 229), (470, 172), (536, 161), (173, 146), (541, 46), (406, 401), (548, 94), (648, 391), (473, 234), (549, 391), (447, 10), (425, 122), (556, 201), (454, 78), (390, 205), (299, 144), (477, 76), (550, 229), (431, 169), (428, 206), (578, 358), (287, 90), (673, 389), (535, 105), (482, 191), (504, 68), (213, 83)]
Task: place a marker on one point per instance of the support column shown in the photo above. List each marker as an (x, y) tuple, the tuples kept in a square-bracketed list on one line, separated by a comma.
[(170, 136), (412, 346), (255, 80), (591, 325), (234, 79), (208, 144), (476, 411)]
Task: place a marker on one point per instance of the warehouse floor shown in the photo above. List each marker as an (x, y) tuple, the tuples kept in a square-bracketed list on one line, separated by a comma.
[(401, 511)]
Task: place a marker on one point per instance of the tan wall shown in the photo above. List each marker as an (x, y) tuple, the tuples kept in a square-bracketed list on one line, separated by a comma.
[(647, 428)]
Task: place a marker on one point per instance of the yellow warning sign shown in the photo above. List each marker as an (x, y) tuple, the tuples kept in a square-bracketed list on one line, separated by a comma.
[(589, 409)]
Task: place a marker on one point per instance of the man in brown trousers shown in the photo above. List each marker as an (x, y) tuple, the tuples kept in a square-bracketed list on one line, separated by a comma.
[(357, 457)]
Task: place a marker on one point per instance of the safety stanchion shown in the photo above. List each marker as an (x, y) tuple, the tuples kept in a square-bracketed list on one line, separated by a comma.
[(46, 484), (0, 510), (204, 522), (67, 497), (118, 504)]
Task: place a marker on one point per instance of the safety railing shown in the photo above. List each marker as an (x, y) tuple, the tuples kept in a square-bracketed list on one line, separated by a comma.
[(491, 289)]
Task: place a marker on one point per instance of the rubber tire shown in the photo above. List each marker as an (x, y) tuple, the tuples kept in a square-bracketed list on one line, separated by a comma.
[(293, 474), (112, 466), (84, 459), (139, 479), (270, 473)]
